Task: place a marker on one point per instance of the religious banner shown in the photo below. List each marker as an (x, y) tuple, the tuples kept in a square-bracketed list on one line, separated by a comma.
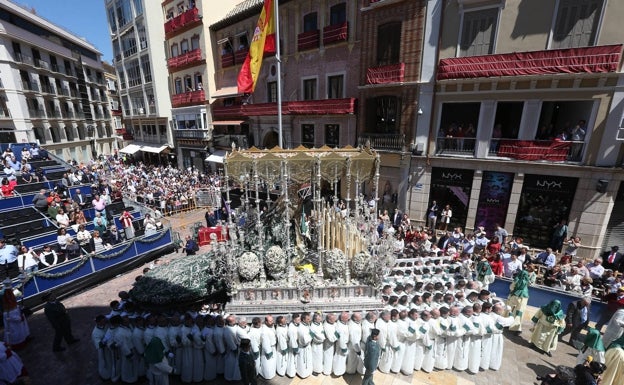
[(493, 200), (545, 201)]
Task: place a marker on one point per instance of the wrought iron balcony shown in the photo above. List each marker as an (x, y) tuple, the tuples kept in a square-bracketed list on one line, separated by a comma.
[(388, 142), (227, 60), (241, 55)]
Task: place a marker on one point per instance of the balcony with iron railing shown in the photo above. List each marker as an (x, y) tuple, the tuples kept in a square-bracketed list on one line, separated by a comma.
[(185, 60), (184, 19), (188, 98), (192, 134), (128, 52), (386, 142), (393, 73), (56, 114), (5, 113), (335, 33), (57, 68), (63, 91), (308, 40)]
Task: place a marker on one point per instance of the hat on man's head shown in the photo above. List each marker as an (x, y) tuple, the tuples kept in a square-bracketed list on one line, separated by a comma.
[(374, 332), (615, 248)]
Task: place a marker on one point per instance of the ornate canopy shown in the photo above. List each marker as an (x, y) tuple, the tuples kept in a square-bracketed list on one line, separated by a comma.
[(301, 164)]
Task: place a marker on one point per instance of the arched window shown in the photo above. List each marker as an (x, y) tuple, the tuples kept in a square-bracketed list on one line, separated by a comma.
[(184, 46), (188, 83), (174, 50), (178, 86)]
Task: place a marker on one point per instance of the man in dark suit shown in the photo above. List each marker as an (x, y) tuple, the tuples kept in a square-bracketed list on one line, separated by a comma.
[(577, 318), (81, 199), (613, 260), (247, 364), (396, 218), (57, 314)]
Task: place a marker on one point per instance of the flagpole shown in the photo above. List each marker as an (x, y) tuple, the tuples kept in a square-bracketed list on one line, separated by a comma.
[(279, 76)]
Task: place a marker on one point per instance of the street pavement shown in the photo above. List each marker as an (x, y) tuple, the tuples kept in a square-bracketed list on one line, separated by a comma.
[(78, 364)]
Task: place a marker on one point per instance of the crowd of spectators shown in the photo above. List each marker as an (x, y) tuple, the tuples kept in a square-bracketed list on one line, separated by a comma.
[(18, 170), (506, 256)]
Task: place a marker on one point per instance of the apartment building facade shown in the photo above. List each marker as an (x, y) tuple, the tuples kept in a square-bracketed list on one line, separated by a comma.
[(189, 62), (320, 49), (137, 36), (53, 88), (525, 120)]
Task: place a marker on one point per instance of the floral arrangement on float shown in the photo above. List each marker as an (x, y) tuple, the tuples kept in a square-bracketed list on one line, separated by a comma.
[(249, 266)]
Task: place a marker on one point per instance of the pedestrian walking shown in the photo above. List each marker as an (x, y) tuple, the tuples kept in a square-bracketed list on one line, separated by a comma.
[(57, 314)]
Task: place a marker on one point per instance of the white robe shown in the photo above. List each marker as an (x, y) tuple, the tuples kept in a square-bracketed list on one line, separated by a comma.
[(498, 342), (293, 350), (158, 374), (175, 346), (331, 336), (463, 344), (138, 338), (232, 371), (10, 365), (304, 358), (218, 337), (341, 349), (399, 348), (210, 354), (454, 340), (428, 346), (198, 354), (281, 350), (614, 329), (318, 336), (186, 353), (162, 332), (148, 333), (486, 342), (268, 356), (355, 361), (410, 338), (440, 327), (105, 357), (384, 340), (16, 328), (255, 336), (476, 341)]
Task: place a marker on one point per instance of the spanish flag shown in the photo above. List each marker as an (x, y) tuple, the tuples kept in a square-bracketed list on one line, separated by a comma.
[(262, 42)]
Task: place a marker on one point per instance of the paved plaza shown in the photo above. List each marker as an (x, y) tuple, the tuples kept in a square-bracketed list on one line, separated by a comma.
[(77, 365)]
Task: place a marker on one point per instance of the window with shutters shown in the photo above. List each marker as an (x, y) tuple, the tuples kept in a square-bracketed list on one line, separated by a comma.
[(478, 32), (576, 23), (271, 92)]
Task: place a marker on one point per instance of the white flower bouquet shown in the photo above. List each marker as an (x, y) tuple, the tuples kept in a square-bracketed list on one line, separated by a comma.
[(276, 262), (361, 264), (249, 266), (335, 263)]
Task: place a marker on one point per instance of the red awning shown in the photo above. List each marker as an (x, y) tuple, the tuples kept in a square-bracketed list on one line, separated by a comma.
[(604, 58)]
